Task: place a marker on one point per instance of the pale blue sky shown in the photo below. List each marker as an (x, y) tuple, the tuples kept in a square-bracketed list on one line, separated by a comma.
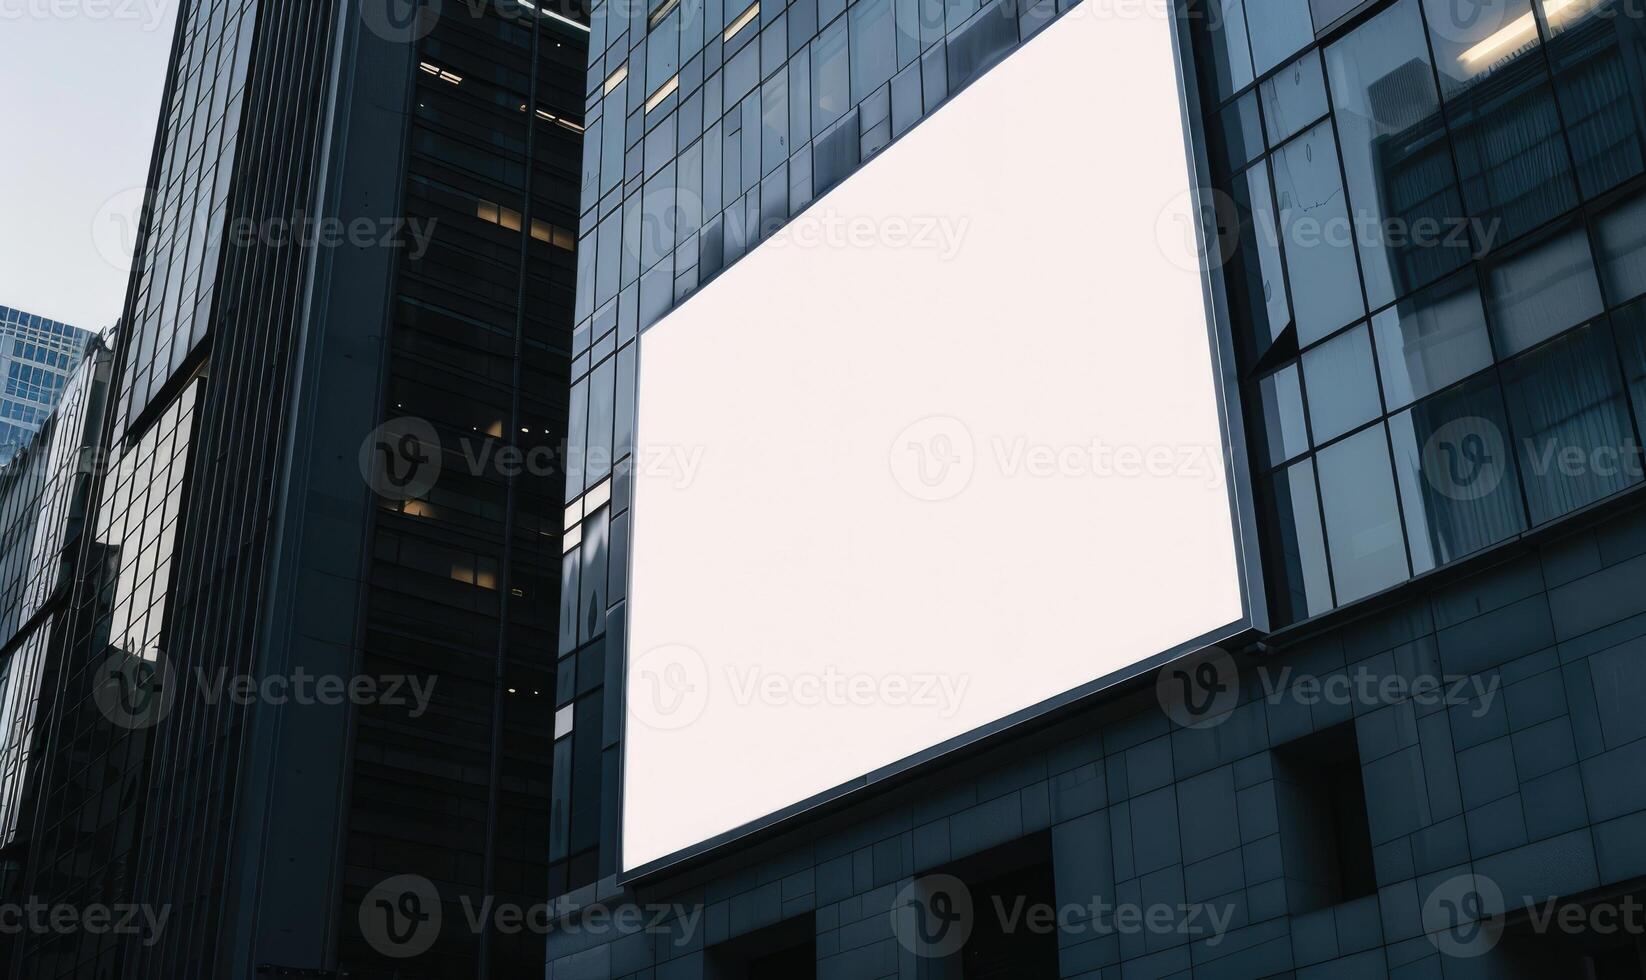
[(80, 84)]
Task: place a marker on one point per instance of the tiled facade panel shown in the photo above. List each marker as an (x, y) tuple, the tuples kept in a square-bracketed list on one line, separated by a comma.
[(1536, 785)]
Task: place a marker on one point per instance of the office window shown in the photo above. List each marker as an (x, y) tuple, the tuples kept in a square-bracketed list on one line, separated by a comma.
[(1238, 135), (1316, 235), (1431, 339), (1472, 38), (1572, 429), (1342, 384), (1221, 32), (831, 77), (1299, 581), (1630, 323), (1595, 52), (1257, 282), (1279, 29), (1401, 178), (1458, 482), (1280, 397), (1511, 152), (1543, 289), (1363, 532), (1294, 98), (1620, 234), (874, 47)]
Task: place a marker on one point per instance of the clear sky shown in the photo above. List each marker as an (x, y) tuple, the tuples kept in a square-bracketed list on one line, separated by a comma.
[(80, 84)]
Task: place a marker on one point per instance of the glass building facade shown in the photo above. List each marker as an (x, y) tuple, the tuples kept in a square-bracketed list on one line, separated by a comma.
[(1427, 220), (237, 536), (37, 357)]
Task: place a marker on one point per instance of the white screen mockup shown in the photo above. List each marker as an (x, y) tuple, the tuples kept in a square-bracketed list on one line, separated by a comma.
[(945, 447)]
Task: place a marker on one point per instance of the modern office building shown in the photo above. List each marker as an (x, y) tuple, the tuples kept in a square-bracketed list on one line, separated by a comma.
[(358, 220), (43, 508), (1422, 242), (37, 356)]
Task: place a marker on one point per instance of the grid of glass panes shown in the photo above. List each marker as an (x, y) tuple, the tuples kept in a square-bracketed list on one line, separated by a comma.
[(178, 268), (710, 124), (1435, 225)]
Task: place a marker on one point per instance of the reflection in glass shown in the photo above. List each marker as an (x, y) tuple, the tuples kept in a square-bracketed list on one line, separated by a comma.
[(1473, 38), (874, 47), (1408, 213), (1572, 431), (1299, 581), (1293, 98), (1239, 133), (1630, 323), (831, 77), (1279, 29), (1597, 52), (1319, 241), (1543, 290), (1431, 339), (1221, 31), (1257, 284), (1342, 384), (1621, 236), (1458, 484), (1362, 516), (1511, 152), (1281, 398)]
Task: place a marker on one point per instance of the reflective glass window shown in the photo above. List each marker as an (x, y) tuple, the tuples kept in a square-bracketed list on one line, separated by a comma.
[(1299, 580), (1572, 429), (1409, 218), (1363, 532), (1342, 384), (1280, 396), (831, 77), (1597, 51), (1257, 283), (1458, 483), (1317, 235), (874, 47), (1279, 29), (1620, 234), (1542, 290), (1431, 339), (1294, 98)]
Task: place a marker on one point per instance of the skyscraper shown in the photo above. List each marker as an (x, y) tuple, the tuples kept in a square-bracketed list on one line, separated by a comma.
[(37, 356), (1418, 229), (355, 220), (44, 509)]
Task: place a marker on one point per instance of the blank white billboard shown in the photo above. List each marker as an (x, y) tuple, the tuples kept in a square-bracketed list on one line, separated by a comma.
[(945, 449)]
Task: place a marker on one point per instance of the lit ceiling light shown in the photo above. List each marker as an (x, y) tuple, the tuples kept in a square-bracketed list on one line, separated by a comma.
[(446, 76), (1511, 38), (428, 68), (742, 21), (616, 77)]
